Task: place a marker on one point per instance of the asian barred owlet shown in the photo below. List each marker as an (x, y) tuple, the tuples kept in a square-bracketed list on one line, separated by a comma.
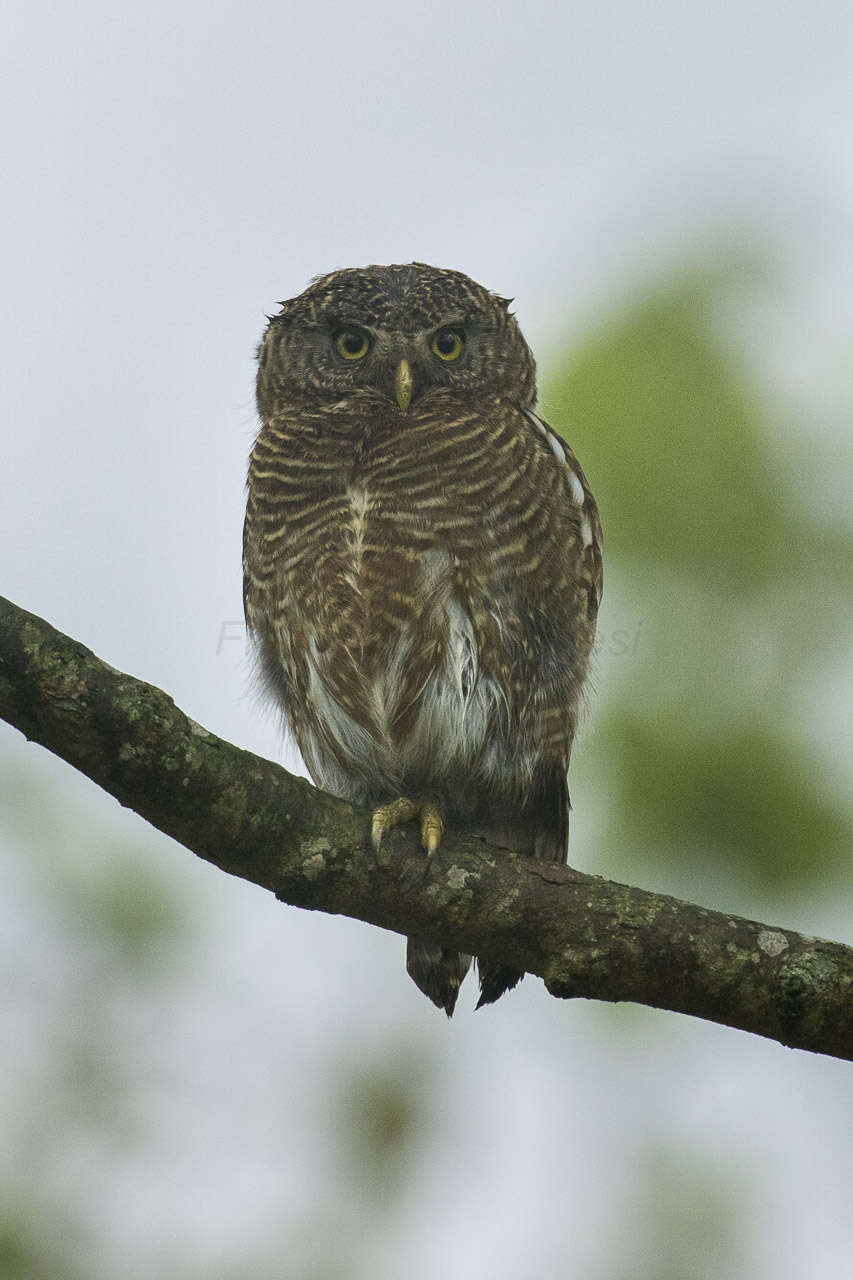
[(422, 567)]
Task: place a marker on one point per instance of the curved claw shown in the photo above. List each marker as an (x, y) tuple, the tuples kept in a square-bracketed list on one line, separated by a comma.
[(403, 810), (432, 826), (388, 816)]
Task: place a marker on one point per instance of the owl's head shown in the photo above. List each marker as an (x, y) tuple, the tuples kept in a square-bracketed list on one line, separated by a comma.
[(401, 332)]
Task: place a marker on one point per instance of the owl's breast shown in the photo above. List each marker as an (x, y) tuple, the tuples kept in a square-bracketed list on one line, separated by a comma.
[(387, 645), (402, 574)]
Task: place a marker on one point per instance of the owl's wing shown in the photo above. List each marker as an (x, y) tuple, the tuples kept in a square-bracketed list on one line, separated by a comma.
[(579, 495)]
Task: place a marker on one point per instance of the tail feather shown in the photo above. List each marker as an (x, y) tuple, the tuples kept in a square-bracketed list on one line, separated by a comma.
[(495, 980), (437, 970), (539, 829)]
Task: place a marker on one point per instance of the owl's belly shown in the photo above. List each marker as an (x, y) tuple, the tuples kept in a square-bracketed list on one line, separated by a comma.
[(386, 747), (400, 702)]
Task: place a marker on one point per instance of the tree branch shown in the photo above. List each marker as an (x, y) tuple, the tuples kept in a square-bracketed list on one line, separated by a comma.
[(583, 935)]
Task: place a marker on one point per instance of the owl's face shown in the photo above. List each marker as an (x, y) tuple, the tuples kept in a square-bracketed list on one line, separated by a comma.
[(400, 332)]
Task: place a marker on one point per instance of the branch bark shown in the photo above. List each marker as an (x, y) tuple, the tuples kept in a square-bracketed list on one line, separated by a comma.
[(583, 935)]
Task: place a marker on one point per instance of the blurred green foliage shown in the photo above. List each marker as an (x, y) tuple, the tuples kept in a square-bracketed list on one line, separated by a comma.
[(687, 1216), (741, 588), (382, 1113), (94, 932), (111, 901), (29, 1252)]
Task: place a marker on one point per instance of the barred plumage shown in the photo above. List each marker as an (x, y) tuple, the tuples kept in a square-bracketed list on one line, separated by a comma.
[(422, 565)]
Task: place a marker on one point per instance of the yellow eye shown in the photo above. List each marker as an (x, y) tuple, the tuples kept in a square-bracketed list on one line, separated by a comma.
[(352, 344), (448, 344)]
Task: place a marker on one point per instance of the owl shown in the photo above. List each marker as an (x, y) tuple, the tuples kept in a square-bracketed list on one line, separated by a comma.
[(422, 568)]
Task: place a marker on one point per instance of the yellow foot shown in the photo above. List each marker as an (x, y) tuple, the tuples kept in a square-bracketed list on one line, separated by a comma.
[(403, 810)]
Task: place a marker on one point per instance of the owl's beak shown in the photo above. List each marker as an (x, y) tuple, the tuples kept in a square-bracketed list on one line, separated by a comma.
[(403, 385)]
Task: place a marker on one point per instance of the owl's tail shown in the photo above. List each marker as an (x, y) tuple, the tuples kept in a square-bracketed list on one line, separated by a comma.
[(437, 970), (541, 830)]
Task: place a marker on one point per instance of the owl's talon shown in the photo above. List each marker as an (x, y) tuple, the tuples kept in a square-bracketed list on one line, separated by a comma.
[(403, 810), (432, 828), (388, 816)]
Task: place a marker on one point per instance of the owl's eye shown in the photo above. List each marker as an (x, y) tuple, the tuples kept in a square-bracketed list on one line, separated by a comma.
[(448, 344), (352, 344)]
